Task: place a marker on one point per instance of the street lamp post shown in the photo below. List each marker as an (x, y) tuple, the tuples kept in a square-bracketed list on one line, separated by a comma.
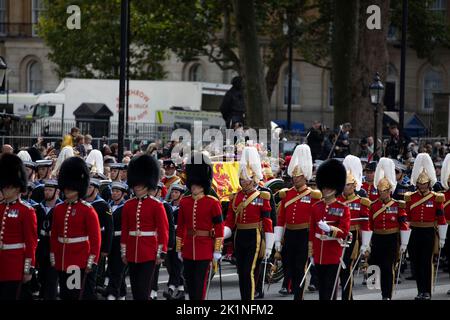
[(3, 68), (287, 30), (376, 90)]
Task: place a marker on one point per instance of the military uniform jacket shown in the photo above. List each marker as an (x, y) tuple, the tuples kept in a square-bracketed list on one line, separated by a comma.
[(257, 211), (359, 208), (401, 189), (326, 248), (117, 217), (295, 208), (389, 217), (200, 225), (75, 235), (106, 223), (144, 228), (44, 216), (169, 214), (446, 206), (425, 210), (371, 190), (18, 239)]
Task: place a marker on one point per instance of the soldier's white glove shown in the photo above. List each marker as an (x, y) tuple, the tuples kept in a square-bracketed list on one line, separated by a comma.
[(278, 246), (324, 226), (269, 243), (442, 229), (363, 249), (227, 232), (180, 256), (217, 256), (403, 248), (312, 260)]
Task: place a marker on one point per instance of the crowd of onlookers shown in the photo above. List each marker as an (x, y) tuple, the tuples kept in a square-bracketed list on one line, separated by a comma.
[(325, 143)]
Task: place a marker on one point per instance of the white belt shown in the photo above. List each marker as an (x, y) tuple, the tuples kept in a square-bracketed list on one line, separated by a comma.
[(142, 233), (72, 240), (12, 246), (44, 233), (117, 233)]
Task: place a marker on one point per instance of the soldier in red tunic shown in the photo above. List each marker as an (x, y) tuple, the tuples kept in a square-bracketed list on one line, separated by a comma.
[(144, 226), (75, 235), (445, 181), (425, 210), (387, 220), (368, 185), (329, 227), (294, 216), (200, 226), (249, 212), (359, 213), (18, 229)]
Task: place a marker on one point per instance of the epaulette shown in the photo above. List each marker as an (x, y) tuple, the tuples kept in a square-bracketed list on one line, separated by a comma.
[(366, 202), (156, 199), (282, 193), (401, 204), (265, 195), (212, 197), (440, 197), (316, 194), (87, 204), (408, 196), (26, 204)]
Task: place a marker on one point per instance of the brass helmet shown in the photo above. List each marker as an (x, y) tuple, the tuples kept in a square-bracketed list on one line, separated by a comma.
[(250, 165), (423, 170), (301, 162), (445, 172), (354, 171), (385, 178)]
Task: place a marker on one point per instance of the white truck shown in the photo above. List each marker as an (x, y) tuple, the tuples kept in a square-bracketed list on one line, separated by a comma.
[(18, 104), (78, 101)]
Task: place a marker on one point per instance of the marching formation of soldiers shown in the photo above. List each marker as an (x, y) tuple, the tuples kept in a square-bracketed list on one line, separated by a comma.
[(64, 237)]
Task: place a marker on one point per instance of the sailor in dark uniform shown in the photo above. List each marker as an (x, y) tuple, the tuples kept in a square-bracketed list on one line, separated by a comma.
[(171, 244), (403, 182), (43, 170), (117, 288), (175, 265), (106, 224), (47, 275)]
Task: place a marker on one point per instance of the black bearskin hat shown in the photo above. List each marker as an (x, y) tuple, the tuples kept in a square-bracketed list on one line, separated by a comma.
[(143, 170), (331, 174), (74, 175), (12, 172), (199, 172)]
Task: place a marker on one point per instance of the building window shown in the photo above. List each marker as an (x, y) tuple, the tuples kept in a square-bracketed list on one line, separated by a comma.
[(438, 5), (36, 10), (3, 17), (196, 72), (432, 83), (295, 87), (34, 77)]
